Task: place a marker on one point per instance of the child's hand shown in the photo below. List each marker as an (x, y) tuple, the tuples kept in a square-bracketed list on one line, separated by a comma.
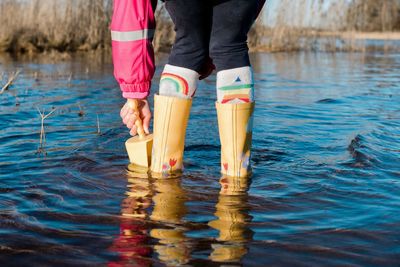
[(129, 118)]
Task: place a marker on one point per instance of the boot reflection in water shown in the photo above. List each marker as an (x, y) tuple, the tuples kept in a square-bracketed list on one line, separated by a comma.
[(132, 243), (232, 218), (169, 208)]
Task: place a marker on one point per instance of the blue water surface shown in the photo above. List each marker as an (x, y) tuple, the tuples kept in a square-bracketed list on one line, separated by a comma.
[(324, 192)]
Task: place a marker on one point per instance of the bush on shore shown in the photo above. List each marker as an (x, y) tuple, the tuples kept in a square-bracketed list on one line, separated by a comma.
[(41, 25)]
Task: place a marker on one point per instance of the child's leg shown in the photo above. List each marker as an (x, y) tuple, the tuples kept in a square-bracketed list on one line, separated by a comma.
[(232, 20), (178, 83), (192, 19)]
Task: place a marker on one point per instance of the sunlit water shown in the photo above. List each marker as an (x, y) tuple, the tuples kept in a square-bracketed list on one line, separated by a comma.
[(325, 188)]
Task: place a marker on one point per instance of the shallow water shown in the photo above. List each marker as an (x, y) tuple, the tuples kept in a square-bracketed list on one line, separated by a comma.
[(324, 191)]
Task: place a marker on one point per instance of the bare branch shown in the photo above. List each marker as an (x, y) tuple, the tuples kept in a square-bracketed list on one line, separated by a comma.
[(11, 79), (42, 139), (98, 125), (51, 112)]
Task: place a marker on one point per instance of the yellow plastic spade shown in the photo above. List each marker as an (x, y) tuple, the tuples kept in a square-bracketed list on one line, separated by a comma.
[(139, 147)]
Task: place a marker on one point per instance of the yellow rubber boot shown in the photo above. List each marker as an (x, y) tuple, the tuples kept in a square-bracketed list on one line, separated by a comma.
[(235, 122), (171, 115)]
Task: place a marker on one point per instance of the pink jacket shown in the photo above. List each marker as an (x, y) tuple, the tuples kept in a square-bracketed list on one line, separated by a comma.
[(132, 30)]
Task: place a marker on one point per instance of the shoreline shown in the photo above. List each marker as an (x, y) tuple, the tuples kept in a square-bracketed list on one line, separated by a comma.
[(368, 36), (292, 44)]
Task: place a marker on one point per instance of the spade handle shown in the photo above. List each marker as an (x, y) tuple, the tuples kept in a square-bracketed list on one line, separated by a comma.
[(139, 124)]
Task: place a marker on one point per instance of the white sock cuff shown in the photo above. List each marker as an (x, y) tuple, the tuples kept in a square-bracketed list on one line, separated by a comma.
[(188, 73), (226, 77)]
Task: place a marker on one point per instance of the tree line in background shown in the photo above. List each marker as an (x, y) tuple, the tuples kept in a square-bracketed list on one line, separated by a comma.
[(373, 15), (83, 25)]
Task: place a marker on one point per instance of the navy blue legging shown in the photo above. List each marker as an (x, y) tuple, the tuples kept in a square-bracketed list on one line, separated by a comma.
[(212, 28)]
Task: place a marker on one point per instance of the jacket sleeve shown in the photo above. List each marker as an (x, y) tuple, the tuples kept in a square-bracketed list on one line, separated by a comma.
[(132, 30)]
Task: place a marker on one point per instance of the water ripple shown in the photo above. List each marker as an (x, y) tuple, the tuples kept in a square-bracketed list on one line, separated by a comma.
[(324, 188)]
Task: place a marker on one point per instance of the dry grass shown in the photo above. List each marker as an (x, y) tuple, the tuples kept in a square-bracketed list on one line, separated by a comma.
[(82, 25), (373, 15), (339, 28), (41, 25), (164, 36)]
